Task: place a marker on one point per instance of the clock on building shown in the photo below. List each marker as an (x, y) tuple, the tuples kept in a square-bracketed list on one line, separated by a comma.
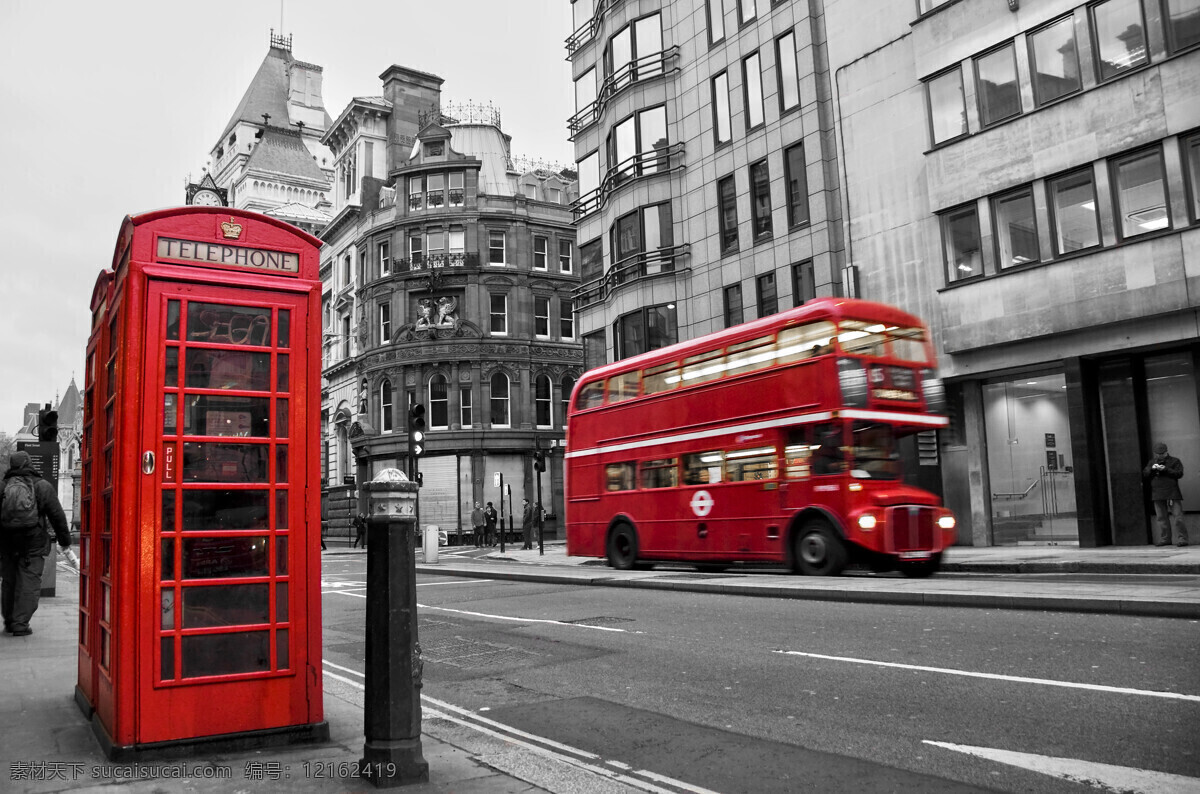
[(206, 198), (206, 193)]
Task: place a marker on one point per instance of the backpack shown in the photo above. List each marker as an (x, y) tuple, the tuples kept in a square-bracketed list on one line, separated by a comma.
[(19, 509)]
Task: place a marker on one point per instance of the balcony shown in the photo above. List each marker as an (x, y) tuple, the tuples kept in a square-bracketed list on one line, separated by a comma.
[(643, 264), (588, 29), (425, 262), (639, 166), (644, 68)]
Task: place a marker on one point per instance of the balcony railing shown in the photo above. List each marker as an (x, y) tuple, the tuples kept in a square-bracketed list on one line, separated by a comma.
[(652, 65), (421, 262), (630, 269), (588, 29), (643, 164)]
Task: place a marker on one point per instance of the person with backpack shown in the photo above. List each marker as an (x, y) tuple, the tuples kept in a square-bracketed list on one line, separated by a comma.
[(27, 502)]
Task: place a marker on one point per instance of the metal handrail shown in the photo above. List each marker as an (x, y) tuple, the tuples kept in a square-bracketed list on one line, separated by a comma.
[(628, 270), (1018, 495), (628, 170), (631, 73), (588, 29)]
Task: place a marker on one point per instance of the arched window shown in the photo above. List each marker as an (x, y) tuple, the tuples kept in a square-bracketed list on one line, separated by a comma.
[(541, 401), (500, 415), (439, 402), (385, 407), (564, 397)]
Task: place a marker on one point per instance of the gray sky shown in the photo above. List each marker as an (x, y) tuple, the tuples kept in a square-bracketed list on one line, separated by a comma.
[(108, 107)]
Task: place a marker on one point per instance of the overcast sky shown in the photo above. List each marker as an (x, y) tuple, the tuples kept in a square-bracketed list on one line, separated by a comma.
[(107, 108)]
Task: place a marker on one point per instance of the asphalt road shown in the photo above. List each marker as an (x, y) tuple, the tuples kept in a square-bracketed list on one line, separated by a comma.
[(732, 694)]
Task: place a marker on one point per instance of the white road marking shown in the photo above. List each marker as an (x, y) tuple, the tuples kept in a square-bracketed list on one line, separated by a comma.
[(527, 620), (1090, 773), (1120, 690), (581, 759), (456, 581)]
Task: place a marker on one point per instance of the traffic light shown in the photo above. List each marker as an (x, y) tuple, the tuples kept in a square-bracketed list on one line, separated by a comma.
[(47, 424), (416, 430), (539, 461)]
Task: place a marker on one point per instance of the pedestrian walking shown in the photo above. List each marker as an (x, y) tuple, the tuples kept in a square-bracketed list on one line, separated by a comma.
[(478, 524), (527, 519), (360, 531), (489, 518), (27, 504), (1164, 472)]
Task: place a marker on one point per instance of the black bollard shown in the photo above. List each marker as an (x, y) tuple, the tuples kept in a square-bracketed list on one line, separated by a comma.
[(392, 708)]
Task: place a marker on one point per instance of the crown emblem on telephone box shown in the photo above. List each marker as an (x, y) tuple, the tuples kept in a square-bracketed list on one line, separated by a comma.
[(231, 229)]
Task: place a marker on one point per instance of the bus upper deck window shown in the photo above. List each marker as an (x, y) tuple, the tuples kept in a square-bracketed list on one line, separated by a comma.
[(623, 386), (864, 339), (664, 377), (749, 356), (703, 368), (590, 395), (908, 344), (804, 341)]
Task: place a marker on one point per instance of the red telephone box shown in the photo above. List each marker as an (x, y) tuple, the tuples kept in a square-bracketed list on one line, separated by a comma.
[(200, 621)]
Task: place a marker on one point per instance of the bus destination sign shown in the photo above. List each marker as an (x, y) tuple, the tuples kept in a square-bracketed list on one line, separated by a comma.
[(235, 255)]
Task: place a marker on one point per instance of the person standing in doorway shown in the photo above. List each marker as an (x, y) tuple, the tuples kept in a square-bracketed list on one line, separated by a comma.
[(489, 518), (27, 504), (527, 523), (477, 524), (1164, 472)]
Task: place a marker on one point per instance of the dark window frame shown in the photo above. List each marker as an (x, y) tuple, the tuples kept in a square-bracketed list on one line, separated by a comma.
[(984, 122), (732, 319), (1114, 164), (760, 218), (1053, 214), (1008, 195), (793, 221), (1038, 101), (724, 231), (779, 77)]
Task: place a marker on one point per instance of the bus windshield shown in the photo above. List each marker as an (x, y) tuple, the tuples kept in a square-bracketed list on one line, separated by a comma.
[(874, 454), (876, 339)]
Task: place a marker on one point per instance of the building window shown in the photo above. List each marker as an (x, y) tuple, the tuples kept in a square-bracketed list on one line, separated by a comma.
[(626, 59), (464, 408), (645, 329), (541, 316), (722, 129), (564, 256), (789, 77), (542, 401), (554, 195), (760, 200), (996, 84), (530, 191), (589, 183), (385, 323), (1191, 169), (1119, 37), (564, 399), (733, 306), (540, 245), (947, 106), (346, 336), (500, 415), (416, 192), (347, 271), (456, 192), (385, 257), (499, 314), (747, 10), (804, 283), (727, 214), (416, 247), (1054, 61), (1073, 215), (591, 258), (797, 185), (595, 353), (716, 20), (566, 318), (1016, 228), (768, 295), (385, 406), (638, 145), (752, 91), (436, 195), (436, 248), (457, 242), (1139, 185), (1183, 24), (439, 402), (960, 237), (496, 247)]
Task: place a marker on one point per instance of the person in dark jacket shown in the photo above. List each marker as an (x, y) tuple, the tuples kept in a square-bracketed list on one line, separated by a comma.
[(489, 525), (23, 549), (527, 520), (1164, 472), (360, 531)]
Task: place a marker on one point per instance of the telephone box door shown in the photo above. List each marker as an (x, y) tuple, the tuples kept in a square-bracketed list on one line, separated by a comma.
[(224, 573)]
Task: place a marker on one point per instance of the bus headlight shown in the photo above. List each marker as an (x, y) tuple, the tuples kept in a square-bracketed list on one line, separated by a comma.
[(867, 521), (946, 522)]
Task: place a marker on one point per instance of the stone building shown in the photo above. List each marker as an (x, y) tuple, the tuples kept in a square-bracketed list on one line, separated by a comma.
[(449, 281)]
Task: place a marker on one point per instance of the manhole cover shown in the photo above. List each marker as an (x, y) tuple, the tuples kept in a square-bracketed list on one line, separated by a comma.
[(468, 654)]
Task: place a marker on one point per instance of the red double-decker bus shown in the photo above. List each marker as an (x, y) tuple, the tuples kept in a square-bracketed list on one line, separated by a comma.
[(773, 441)]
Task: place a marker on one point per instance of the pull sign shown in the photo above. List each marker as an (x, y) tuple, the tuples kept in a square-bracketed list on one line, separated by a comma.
[(147, 463)]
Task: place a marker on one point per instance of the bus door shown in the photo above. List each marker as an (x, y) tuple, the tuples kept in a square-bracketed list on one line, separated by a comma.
[(752, 489), (816, 464)]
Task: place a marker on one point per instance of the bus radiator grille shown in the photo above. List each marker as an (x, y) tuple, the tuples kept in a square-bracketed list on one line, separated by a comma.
[(912, 527)]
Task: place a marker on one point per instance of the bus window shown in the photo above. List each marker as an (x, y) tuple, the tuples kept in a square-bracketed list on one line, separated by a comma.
[(619, 476), (797, 456), (874, 452), (749, 356), (590, 395), (662, 473), (804, 341), (828, 456), (702, 468), (703, 368), (908, 344), (664, 377), (751, 464), (864, 339), (623, 386)]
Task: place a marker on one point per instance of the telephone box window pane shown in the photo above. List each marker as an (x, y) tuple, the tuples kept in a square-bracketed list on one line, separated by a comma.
[(208, 461), (169, 412), (281, 552), (229, 417), (171, 379), (167, 602), (228, 325), (228, 369), (205, 510), (281, 510), (281, 373), (283, 336), (281, 418), (172, 319), (226, 654), (167, 670), (281, 602), (281, 649), (224, 558), (168, 559), (281, 463), (225, 605)]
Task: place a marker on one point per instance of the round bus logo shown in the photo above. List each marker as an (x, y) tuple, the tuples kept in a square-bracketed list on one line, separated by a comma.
[(702, 503)]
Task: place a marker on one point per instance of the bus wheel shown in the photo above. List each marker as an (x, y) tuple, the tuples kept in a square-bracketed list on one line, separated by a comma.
[(922, 569), (622, 547), (818, 551)]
